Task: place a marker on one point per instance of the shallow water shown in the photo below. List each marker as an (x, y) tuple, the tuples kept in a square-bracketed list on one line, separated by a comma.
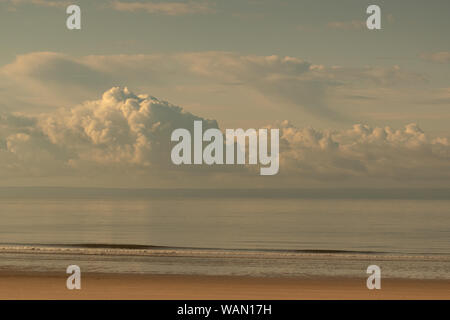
[(292, 237)]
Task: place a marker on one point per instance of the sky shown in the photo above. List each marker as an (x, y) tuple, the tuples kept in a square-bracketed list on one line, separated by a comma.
[(96, 106)]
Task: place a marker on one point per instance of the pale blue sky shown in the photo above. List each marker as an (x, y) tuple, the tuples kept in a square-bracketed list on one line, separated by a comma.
[(265, 27), (299, 29), (244, 63)]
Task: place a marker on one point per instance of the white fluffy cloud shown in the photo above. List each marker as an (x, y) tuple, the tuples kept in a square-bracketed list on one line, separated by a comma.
[(364, 151), (124, 134), (121, 131)]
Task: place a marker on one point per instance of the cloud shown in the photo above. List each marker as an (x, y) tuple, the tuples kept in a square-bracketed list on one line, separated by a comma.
[(363, 152), (165, 8), (42, 3), (355, 24), (347, 25), (170, 8), (289, 82), (121, 131), (438, 57), (52, 68), (124, 135), (47, 80)]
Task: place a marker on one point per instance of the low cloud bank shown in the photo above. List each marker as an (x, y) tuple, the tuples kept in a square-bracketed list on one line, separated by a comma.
[(125, 134)]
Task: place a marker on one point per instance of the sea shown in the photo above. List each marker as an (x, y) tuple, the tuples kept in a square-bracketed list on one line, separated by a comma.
[(260, 233)]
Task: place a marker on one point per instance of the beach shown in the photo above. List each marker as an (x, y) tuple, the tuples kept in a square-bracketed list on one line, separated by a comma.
[(223, 248), (37, 285)]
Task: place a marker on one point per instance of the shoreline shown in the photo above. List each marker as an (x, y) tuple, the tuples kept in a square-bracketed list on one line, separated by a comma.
[(52, 286)]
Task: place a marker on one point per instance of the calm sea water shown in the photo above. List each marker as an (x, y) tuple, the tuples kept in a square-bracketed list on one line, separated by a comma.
[(255, 236)]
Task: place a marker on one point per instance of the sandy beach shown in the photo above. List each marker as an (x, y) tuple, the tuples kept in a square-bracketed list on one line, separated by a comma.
[(119, 286)]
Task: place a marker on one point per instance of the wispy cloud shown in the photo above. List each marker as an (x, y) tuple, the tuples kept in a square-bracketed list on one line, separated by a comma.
[(288, 81), (355, 24), (164, 8), (42, 3), (438, 57), (347, 25)]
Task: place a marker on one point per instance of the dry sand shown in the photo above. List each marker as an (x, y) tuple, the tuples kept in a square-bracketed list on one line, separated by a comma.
[(110, 286)]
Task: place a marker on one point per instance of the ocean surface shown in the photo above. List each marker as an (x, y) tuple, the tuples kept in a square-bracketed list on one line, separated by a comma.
[(226, 235)]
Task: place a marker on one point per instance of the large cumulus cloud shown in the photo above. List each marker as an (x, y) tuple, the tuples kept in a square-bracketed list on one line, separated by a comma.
[(117, 133), (123, 134), (121, 128)]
